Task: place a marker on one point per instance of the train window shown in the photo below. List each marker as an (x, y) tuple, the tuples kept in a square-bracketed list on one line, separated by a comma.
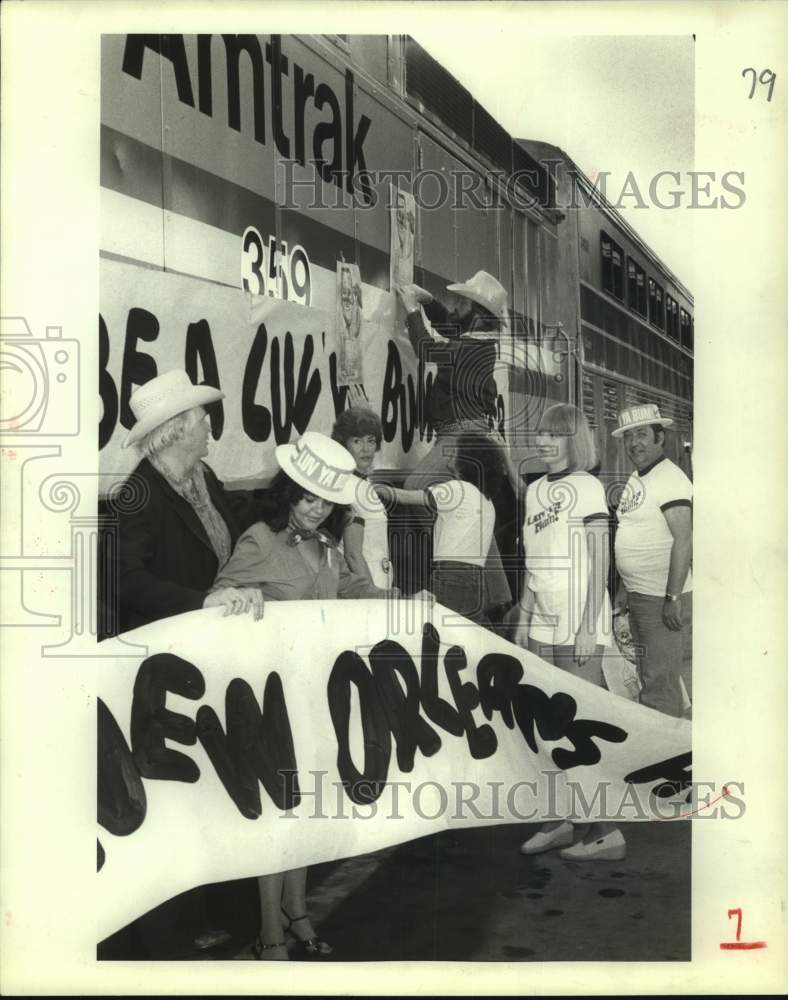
[(592, 348), (672, 317), (612, 267), (686, 334), (656, 304), (636, 287)]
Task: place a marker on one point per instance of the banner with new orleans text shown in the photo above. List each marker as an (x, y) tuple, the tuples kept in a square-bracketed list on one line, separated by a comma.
[(229, 748)]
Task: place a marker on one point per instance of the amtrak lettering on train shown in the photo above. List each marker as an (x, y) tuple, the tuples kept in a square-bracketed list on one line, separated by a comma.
[(341, 133)]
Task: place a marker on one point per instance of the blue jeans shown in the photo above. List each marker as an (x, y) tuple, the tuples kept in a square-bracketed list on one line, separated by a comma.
[(461, 587), (663, 655)]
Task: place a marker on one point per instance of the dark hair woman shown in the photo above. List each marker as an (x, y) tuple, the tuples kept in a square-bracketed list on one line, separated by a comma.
[(365, 537), (291, 554), (465, 526), (464, 523)]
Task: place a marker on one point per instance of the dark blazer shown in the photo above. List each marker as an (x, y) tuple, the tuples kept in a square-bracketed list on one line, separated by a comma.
[(165, 563)]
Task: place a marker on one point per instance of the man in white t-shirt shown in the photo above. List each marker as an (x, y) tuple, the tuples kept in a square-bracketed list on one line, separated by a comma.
[(654, 555)]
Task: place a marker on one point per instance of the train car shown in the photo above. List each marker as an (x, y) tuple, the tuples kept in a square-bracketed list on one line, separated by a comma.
[(635, 317), (237, 171)]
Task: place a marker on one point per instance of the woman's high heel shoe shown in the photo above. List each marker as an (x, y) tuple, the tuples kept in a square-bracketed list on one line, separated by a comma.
[(312, 948), (258, 949)]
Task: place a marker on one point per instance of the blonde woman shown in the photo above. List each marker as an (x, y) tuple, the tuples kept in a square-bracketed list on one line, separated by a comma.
[(564, 614)]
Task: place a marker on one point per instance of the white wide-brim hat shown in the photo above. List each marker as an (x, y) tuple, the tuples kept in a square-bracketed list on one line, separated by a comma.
[(484, 290), (322, 466), (163, 397), (640, 416)]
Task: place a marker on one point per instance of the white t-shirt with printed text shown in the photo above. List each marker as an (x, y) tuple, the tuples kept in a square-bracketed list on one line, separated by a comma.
[(643, 538), (557, 509), (465, 523)]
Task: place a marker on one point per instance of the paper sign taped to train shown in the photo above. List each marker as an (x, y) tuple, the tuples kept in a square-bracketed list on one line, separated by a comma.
[(229, 748)]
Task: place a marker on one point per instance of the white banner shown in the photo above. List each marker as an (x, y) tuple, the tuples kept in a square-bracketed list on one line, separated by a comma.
[(232, 748), (276, 361)]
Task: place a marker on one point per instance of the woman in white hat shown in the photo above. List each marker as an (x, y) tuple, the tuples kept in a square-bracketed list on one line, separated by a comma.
[(173, 542), (291, 554)]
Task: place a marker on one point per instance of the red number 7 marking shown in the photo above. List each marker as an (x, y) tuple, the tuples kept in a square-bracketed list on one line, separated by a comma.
[(738, 944)]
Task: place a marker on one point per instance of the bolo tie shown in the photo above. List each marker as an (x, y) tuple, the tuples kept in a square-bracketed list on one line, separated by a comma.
[(299, 535)]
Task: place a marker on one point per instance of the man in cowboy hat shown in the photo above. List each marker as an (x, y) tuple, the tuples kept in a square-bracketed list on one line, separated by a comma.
[(176, 526), (653, 556), (464, 394), (171, 543)]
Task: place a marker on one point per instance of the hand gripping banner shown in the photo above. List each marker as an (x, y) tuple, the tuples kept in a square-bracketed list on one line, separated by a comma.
[(234, 748)]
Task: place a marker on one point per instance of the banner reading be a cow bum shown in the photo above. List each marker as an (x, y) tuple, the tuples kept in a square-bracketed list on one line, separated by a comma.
[(233, 748)]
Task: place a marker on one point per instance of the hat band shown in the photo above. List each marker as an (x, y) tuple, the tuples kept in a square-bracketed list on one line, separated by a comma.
[(639, 414), (313, 468)]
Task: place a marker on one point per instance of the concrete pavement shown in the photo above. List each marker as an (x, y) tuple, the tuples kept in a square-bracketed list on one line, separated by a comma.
[(469, 895)]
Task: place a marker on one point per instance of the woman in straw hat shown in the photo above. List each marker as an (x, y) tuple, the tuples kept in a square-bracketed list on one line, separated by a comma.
[(173, 542), (564, 615), (291, 554)]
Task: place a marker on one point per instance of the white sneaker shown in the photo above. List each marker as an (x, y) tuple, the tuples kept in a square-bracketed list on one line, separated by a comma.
[(549, 840), (611, 847)]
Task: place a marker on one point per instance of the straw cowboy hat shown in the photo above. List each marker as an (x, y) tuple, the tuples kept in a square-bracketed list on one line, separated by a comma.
[(321, 466), (640, 416), (485, 291), (163, 397)]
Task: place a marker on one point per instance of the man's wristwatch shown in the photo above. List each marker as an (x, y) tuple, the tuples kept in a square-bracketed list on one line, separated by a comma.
[(672, 597)]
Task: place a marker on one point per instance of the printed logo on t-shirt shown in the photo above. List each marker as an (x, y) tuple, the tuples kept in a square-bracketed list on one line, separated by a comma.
[(548, 515), (631, 500)]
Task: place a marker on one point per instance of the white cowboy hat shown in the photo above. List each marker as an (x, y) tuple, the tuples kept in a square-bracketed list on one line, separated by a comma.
[(485, 291), (321, 466), (163, 397), (640, 416)]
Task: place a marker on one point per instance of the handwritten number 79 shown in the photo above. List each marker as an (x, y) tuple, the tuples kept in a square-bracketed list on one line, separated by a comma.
[(767, 78)]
